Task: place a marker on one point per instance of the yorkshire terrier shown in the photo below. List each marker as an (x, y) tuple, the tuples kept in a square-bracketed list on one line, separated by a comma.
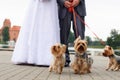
[(58, 51), (114, 60), (82, 63)]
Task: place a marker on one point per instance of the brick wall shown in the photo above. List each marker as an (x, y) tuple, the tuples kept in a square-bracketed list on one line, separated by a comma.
[(13, 30)]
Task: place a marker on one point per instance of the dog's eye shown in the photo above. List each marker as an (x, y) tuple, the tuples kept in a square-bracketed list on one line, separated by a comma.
[(58, 46), (78, 44), (83, 44), (109, 48)]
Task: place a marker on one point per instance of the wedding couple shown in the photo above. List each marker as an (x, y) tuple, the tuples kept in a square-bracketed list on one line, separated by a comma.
[(47, 22)]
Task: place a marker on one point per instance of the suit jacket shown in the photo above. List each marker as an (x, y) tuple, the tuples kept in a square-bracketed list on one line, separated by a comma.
[(62, 10)]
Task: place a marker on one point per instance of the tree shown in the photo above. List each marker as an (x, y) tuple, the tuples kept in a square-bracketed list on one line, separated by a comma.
[(71, 37), (89, 40), (5, 34), (114, 39)]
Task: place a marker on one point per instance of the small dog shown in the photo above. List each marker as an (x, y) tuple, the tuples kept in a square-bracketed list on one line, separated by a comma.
[(58, 50), (81, 63), (114, 60)]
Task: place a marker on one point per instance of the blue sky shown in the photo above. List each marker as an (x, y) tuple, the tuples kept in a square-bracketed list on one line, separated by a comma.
[(102, 15)]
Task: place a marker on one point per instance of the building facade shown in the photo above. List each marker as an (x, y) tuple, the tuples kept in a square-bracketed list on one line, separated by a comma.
[(13, 30)]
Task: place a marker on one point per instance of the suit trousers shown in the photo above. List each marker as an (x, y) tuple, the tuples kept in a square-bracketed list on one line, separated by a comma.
[(65, 26)]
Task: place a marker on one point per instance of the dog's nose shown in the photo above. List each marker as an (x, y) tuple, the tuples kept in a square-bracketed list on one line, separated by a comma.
[(106, 51), (104, 54)]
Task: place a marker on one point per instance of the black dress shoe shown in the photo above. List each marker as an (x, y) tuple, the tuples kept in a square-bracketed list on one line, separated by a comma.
[(42, 65), (66, 64)]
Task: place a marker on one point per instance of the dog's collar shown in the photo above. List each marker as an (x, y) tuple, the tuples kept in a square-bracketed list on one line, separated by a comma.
[(116, 58), (111, 56), (81, 56)]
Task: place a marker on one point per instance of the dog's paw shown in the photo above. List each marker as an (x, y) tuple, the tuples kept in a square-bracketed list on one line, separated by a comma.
[(82, 72), (76, 71), (50, 69), (116, 69), (107, 69), (59, 72), (88, 71)]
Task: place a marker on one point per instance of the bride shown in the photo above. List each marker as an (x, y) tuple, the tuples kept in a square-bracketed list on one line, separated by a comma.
[(38, 33)]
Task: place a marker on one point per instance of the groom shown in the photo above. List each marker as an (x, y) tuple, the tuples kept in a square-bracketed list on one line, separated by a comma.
[(65, 18)]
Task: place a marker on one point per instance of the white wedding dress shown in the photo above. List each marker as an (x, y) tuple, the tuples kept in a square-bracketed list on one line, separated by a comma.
[(38, 33)]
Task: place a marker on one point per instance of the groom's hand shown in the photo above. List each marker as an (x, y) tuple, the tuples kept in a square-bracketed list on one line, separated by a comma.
[(75, 3), (67, 4)]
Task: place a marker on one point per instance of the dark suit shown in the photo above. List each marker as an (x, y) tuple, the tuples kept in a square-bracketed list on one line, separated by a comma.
[(65, 18)]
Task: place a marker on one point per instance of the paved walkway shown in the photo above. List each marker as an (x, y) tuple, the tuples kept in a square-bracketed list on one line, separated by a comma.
[(8, 71)]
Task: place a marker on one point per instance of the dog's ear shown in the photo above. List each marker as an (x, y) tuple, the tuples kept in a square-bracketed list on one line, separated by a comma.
[(77, 39), (53, 50), (110, 48), (86, 42), (64, 48)]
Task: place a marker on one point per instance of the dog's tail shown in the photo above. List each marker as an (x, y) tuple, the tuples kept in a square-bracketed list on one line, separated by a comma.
[(90, 60)]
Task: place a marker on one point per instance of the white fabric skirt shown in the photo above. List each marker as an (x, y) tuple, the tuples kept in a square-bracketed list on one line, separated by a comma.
[(38, 33)]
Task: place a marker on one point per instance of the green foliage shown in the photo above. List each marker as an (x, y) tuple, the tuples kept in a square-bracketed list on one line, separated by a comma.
[(114, 39), (117, 52), (5, 46), (5, 34), (2, 42), (71, 37), (89, 40)]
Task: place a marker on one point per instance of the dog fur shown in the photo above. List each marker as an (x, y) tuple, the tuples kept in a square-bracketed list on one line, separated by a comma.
[(58, 51), (81, 63), (114, 60)]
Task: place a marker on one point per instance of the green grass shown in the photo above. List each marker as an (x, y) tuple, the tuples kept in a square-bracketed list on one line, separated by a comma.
[(96, 47), (3, 43)]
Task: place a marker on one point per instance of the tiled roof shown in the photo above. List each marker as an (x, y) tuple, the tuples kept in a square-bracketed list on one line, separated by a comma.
[(15, 27)]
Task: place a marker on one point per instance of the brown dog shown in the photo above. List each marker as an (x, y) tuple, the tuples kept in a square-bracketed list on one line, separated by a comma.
[(81, 63), (58, 50), (114, 60)]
